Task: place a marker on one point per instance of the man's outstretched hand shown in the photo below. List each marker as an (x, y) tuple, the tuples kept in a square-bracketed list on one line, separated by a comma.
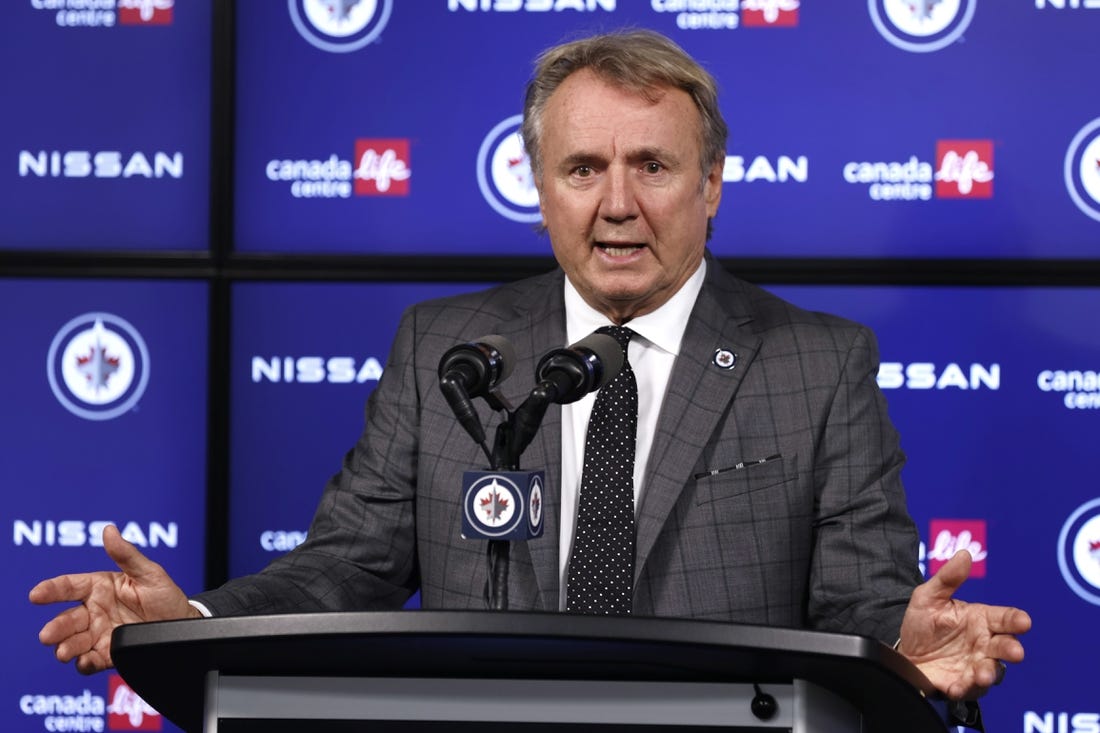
[(142, 591), (960, 647)]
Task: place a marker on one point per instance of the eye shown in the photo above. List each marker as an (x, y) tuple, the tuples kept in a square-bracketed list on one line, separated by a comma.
[(582, 171), (653, 167)]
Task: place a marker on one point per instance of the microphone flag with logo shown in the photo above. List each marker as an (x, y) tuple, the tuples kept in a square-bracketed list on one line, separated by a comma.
[(502, 505)]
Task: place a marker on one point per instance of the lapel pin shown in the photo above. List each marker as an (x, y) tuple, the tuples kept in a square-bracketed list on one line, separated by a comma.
[(725, 358)]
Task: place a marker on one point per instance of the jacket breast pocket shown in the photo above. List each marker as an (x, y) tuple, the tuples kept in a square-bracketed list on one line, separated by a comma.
[(746, 478)]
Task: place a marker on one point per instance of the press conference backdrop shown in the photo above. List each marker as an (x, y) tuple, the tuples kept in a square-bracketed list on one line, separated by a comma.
[(104, 421), (961, 128), (952, 128), (106, 124), (880, 129)]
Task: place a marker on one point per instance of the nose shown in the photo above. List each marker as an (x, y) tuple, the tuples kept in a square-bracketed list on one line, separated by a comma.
[(619, 202)]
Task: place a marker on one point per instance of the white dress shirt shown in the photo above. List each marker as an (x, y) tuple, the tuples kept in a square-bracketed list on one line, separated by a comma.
[(651, 354)]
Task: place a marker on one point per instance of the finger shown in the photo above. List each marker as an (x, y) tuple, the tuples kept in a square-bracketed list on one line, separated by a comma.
[(1009, 620), (65, 624), (128, 557), (92, 662), (1006, 648), (984, 675), (972, 691), (950, 576), (62, 588), (74, 646), (988, 672), (961, 691)]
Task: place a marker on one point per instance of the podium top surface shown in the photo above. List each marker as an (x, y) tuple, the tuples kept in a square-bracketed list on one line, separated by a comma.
[(166, 662)]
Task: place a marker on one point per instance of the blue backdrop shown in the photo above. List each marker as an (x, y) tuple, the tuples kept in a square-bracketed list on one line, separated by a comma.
[(872, 129)]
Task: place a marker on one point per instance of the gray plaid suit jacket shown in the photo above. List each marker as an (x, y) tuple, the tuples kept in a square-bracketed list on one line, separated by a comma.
[(817, 538)]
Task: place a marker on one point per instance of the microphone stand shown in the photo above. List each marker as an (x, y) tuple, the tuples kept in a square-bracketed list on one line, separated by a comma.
[(563, 375), (513, 435), (502, 459)]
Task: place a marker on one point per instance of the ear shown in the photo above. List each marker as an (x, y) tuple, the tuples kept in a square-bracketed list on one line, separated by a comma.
[(712, 188), (538, 188)]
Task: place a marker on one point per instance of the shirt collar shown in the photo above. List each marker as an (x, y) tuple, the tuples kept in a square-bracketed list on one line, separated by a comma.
[(663, 327)]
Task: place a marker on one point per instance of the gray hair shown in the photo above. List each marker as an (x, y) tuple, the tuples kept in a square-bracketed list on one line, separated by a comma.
[(640, 61)]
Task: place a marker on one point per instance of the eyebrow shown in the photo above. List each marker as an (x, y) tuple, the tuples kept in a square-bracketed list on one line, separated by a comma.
[(652, 154), (575, 159), (637, 156)]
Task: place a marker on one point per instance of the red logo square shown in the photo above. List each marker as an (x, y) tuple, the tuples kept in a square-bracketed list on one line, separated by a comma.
[(145, 12), (127, 711), (382, 167), (769, 13), (948, 536), (964, 169)]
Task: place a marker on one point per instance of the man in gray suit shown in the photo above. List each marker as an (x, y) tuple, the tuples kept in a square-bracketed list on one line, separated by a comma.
[(766, 470)]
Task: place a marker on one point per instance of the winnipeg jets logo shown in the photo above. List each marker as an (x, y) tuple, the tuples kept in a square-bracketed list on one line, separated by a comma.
[(494, 504), (534, 507), (1079, 551), (504, 173), (1082, 170), (340, 26), (922, 9), (98, 366), (921, 26)]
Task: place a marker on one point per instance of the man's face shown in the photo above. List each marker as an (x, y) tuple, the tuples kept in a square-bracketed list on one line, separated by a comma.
[(621, 193)]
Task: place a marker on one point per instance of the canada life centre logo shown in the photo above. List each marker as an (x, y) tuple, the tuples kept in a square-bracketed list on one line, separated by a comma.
[(1082, 169), (1079, 551), (921, 26), (504, 173), (963, 169), (381, 167), (947, 537), (723, 15), (98, 366), (340, 26), (122, 708), (107, 13)]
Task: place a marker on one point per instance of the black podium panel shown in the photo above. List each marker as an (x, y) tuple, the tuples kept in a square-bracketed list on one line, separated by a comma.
[(167, 663)]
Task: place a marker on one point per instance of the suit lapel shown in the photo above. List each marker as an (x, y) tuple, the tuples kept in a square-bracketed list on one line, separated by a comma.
[(698, 395), (538, 326)]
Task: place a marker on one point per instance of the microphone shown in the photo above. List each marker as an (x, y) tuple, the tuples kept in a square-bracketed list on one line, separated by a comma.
[(564, 376), (474, 369)]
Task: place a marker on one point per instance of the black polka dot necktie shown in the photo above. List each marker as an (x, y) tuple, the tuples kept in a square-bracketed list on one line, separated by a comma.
[(601, 570)]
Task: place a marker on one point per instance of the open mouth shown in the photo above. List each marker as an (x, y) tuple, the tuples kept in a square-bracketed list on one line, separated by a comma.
[(619, 249)]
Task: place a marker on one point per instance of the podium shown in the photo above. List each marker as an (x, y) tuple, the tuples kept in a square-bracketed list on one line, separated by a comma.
[(413, 671)]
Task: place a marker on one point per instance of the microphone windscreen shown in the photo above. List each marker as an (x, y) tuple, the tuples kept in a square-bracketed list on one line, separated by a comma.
[(607, 352), (506, 351)]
